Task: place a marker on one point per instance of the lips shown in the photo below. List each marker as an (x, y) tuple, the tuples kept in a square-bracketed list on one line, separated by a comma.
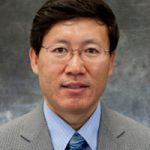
[(75, 87)]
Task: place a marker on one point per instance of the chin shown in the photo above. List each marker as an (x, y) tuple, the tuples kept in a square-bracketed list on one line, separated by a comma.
[(77, 106)]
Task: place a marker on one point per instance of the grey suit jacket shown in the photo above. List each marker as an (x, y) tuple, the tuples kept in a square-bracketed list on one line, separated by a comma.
[(117, 132)]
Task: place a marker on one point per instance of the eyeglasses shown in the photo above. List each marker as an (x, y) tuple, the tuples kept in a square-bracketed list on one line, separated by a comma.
[(65, 54)]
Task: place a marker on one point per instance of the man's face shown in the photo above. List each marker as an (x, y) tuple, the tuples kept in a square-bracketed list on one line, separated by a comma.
[(75, 85)]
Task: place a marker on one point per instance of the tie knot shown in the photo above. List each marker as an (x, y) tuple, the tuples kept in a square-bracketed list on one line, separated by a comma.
[(77, 142)]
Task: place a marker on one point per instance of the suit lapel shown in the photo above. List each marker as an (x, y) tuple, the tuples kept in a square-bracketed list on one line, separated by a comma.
[(35, 136), (110, 134)]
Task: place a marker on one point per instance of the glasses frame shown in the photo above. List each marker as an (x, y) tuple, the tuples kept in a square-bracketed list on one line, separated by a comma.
[(72, 51)]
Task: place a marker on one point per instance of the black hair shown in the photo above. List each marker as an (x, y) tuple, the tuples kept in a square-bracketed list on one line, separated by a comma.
[(54, 11)]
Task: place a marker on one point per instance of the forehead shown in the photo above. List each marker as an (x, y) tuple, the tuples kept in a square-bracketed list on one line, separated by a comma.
[(78, 29)]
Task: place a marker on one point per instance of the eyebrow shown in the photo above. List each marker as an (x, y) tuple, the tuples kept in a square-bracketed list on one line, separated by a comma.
[(83, 42), (61, 41), (90, 41), (58, 41)]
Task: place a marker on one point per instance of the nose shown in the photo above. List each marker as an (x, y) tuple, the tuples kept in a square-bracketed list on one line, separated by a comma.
[(75, 66)]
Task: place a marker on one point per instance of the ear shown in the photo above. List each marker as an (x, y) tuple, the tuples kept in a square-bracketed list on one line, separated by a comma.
[(112, 60), (33, 60)]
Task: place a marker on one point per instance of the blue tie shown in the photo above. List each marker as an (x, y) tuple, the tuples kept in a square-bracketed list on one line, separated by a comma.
[(77, 142)]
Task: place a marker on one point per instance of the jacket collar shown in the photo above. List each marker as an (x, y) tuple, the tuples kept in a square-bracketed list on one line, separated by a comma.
[(111, 131), (37, 137), (36, 134)]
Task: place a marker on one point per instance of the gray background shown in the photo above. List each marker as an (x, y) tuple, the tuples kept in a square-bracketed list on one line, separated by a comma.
[(128, 90)]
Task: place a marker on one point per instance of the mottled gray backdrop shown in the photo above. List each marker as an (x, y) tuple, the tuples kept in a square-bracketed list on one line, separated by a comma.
[(128, 90)]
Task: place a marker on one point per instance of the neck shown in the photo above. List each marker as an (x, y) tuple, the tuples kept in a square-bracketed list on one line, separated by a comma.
[(76, 120)]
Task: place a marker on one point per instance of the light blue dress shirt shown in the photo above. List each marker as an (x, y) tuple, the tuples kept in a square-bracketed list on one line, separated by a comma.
[(61, 132)]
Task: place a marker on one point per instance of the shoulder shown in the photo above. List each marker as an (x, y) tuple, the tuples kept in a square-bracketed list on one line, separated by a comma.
[(10, 132), (14, 125), (126, 130), (129, 124)]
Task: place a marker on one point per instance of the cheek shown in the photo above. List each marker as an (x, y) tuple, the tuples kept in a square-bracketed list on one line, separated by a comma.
[(100, 70), (49, 77), (100, 74), (50, 71)]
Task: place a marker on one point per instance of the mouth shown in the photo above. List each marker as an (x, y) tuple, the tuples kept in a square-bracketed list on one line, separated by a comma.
[(75, 87)]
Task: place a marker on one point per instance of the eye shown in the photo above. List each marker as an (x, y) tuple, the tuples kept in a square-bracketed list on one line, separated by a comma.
[(60, 50), (91, 51)]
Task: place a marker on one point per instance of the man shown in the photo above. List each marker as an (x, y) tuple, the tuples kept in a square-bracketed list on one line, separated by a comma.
[(72, 52)]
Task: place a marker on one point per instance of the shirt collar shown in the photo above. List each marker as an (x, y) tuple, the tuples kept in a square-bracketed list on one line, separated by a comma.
[(61, 131), (91, 128)]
